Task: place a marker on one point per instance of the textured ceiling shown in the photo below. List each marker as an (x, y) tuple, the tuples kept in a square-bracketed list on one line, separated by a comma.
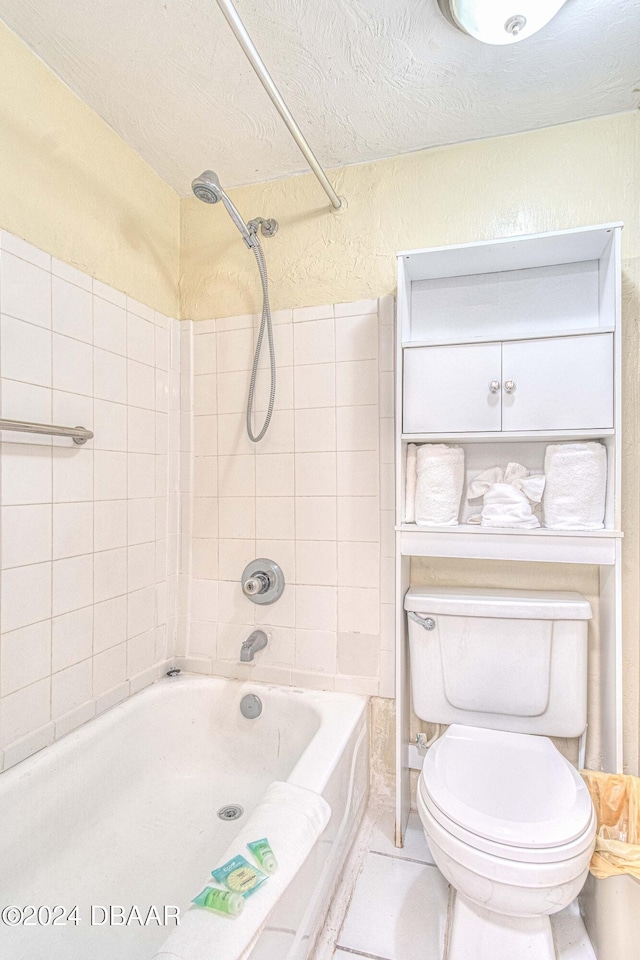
[(364, 78)]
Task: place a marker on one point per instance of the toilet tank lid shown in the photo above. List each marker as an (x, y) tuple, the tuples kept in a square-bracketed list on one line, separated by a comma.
[(488, 602)]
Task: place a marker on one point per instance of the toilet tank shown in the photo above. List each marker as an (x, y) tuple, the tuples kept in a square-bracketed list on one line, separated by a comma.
[(502, 659)]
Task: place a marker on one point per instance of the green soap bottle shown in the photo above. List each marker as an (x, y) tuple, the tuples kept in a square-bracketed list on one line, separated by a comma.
[(222, 901)]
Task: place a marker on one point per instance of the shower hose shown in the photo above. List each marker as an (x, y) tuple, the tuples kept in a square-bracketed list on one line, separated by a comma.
[(265, 324)]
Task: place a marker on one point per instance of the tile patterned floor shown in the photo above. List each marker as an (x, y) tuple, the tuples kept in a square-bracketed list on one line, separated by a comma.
[(398, 910)]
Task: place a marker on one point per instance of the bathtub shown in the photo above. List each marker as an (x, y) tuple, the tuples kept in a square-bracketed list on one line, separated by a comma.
[(123, 812)]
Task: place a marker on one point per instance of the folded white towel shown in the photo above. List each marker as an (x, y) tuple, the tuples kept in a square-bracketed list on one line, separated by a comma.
[(508, 494), (410, 484), (576, 490), (292, 818), (440, 469)]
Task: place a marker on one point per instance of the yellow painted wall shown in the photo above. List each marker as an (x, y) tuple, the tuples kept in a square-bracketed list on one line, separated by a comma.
[(565, 176), (70, 185)]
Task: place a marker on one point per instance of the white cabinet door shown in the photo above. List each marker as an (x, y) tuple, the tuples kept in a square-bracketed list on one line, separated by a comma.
[(447, 389), (563, 383)]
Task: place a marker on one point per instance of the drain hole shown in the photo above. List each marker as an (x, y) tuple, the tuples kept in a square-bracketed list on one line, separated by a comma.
[(233, 811)]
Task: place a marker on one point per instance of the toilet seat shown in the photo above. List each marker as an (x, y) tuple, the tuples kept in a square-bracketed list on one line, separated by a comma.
[(511, 795)]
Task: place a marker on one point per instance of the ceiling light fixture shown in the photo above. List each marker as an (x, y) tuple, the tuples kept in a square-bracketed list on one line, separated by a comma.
[(500, 21)]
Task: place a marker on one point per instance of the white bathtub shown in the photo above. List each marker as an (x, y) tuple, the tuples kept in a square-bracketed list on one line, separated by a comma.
[(124, 812)]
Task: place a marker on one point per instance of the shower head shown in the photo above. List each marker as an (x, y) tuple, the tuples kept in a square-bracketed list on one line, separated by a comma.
[(207, 188)]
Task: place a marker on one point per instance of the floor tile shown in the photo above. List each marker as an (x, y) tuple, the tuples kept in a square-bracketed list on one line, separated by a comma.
[(571, 936), (398, 910), (415, 842)]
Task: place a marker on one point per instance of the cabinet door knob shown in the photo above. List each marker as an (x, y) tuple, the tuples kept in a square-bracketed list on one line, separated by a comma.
[(494, 386), (509, 386)]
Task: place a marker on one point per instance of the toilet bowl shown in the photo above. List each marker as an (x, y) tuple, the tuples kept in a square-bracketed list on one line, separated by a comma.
[(512, 828)]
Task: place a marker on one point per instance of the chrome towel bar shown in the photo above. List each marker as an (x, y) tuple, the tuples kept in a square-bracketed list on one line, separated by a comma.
[(79, 435)]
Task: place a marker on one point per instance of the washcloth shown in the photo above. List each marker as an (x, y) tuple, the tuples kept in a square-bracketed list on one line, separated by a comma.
[(293, 819), (576, 490), (410, 484), (508, 494), (440, 469)]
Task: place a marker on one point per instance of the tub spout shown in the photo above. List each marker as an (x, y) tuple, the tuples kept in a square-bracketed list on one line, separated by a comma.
[(257, 641)]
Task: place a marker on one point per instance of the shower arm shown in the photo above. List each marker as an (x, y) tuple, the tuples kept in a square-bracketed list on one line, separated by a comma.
[(249, 49)]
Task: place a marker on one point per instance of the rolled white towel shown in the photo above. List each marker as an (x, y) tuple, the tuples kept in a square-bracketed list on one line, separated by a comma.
[(440, 469), (576, 486), (410, 484)]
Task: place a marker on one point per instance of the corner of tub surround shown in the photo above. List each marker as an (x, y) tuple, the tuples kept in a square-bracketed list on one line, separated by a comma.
[(382, 725)]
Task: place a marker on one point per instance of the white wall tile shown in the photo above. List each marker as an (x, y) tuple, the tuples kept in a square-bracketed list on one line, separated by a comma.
[(71, 687), (357, 428), (110, 524), (357, 338), (141, 339), (314, 342), (110, 475), (108, 293), (141, 385), (358, 564), (109, 326), (25, 401), (237, 518), (358, 654), (72, 529), (25, 656), (233, 557), (109, 669), (234, 350), (26, 535), (315, 385), (316, 650), (358, 474), (141, 565), (140, 611), (25, 290), (356, 383), (109, 376), (26, 473), (26, 596), (315, 518), (316, 607), (72, 473), (109, 623), (315, 430), (316, 563), (236, 476), (25, 710), (305, 314), (25, 352), (26, 251), (71, 310), (72, 365), (359, 610), (71, 638), (315, 474), (204, 354), (72, 584), (275, 518), (71, 274), (109, 425), (110, 574)]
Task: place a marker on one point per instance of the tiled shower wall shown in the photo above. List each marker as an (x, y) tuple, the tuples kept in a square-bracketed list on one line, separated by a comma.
[(88, 533), (315, 495)]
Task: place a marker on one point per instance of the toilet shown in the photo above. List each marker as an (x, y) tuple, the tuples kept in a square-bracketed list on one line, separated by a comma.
[(509, 820)]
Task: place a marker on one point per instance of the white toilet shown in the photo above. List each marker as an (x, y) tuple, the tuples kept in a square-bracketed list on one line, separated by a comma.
[(509, 821)]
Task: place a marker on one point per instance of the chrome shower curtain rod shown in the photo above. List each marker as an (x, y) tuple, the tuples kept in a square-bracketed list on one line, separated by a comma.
[(254, 58)]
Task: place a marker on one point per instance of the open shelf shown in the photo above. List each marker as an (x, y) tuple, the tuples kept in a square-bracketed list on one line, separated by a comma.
[(486, 543), (549, 436)]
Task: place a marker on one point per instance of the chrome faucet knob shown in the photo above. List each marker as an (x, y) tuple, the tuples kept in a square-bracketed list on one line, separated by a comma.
[(256, 584)]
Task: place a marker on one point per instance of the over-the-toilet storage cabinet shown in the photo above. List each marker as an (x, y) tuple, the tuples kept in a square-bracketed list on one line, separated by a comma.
[(504, 347)]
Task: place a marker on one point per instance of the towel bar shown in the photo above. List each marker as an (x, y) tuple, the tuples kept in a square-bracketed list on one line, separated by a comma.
[(79, 435)]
